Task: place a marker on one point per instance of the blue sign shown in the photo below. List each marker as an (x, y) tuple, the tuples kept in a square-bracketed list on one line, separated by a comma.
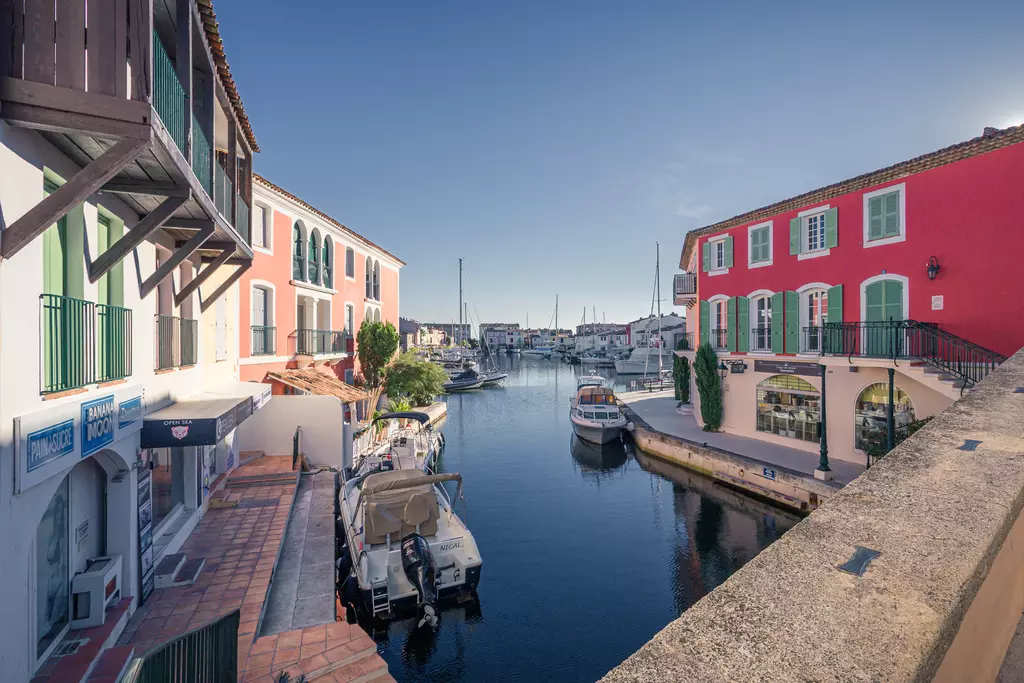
[(129, 411), (769, 474), (98, 421), (50, 443)]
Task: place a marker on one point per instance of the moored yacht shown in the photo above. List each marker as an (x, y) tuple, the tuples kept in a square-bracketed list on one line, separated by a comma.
[(595, 415), (399, 435), (405, 546), (644, 360), (469, 379)]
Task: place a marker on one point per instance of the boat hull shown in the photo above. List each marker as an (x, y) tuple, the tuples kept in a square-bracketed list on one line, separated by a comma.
[(598, 435), (633, 367), (451, 387)]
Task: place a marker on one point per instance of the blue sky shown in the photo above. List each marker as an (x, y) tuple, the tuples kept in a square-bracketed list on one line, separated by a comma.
[(550, 144)]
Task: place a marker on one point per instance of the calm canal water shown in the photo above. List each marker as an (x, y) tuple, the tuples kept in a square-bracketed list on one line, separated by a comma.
[(587, 552)]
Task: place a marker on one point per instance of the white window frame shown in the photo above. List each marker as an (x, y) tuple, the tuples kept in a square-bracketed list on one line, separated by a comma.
[(771, 244), (902, 237), (804, 217), (754, 297), (713, 243), (713, 303), (805, 291), (885, 276), (268, 217)]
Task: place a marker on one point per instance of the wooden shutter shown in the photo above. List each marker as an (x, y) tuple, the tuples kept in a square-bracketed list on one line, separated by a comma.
[(794, 237), (792, 322), (831, 228), (759, 245), (743, 324), (728, 251), (891, 223), (706, 255), (893, 297), (874, 307), (835, 304), (705, 321), (730, 325), (875, 218), (777, 310)]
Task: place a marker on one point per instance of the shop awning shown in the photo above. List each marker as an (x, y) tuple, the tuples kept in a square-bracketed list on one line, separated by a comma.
[(259, 391), (200, 421), (321, 383)]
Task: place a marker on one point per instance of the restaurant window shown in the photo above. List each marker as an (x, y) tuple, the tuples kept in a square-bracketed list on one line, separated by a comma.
[(168, 487), (871, 411), (52, 571), (789, 406)]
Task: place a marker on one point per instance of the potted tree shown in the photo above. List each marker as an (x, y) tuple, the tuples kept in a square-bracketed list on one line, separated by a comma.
[(681, 375)]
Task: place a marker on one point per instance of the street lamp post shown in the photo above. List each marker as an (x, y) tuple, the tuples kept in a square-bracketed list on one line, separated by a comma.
[(889, 417), (823, 471)]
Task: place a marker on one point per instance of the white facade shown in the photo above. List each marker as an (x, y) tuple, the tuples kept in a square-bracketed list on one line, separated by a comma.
[(69, 477), (644, 332)]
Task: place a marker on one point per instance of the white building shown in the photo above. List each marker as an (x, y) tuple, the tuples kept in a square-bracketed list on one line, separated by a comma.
[(644, 331), (608, 336), (118, 315)]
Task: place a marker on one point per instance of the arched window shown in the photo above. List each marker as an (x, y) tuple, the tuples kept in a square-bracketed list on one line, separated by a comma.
[(328, 262), (813, 313), (376, 280), (298, 253), (314, 257), (761, 322), (369, 315), (376, 316), (263, 330), (369, 278), (871, 413), (789, 406)]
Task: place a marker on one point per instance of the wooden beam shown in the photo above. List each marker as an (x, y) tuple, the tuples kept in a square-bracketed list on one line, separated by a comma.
[(189, 223), (219, 246), (179, 255), (147, 188), (70, 44), (131, 239), (75, 101), (76, 190), (40, 118), (219, 292), (233, 261), (203, 275)]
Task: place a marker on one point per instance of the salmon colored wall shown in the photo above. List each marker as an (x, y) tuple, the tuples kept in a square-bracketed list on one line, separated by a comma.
[(968, 214), (277, 270), (389, 295)]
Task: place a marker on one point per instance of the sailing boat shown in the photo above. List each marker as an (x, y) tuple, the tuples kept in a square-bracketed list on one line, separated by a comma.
[(543, 351), (642, 359)]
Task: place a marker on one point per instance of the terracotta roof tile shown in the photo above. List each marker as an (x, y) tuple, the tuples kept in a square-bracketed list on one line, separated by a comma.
[(309, 207), (991, 140), (320, 383), (212, 30)]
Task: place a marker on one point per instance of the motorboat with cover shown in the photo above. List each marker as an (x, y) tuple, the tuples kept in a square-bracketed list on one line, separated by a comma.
[(407, 434), (595, 415), (464, 381), (406, 547), (591, 380), (538, 352), (494, 378)]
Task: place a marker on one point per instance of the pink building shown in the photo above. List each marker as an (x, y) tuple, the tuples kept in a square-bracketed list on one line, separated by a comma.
[(312, 283)]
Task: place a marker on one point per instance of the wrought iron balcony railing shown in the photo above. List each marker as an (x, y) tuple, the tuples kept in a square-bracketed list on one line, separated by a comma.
[(719, 339), (685, 283), (314, 342), (68, 343), (189, 341), (263, 340), (115, 342), (761, 338)]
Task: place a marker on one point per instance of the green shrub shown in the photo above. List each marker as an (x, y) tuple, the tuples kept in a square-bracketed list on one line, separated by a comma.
[(376, 344), (415, 378), (709, 387), (681, 375)]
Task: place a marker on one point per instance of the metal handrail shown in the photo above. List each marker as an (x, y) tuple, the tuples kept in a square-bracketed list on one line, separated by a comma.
[(208, 653), (263, 340), (763, 333), (685, 283)]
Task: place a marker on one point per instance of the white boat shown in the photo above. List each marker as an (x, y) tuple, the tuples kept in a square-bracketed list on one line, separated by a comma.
[(591, 380), (398, 435), (406, 548), (644, 360), (539, 352), (595, 415)]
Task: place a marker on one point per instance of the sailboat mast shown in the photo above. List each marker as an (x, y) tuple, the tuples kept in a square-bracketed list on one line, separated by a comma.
[(556, 320), (657, 289), (458, 337)]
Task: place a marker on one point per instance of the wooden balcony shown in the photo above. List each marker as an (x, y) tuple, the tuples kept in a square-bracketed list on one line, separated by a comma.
[(148, 111)]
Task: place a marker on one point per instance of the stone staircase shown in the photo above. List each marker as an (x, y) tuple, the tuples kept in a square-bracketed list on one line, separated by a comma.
[(933, 378)]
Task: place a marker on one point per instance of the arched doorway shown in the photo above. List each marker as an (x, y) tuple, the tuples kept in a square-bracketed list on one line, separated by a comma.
[(871, 414), (789, 406)]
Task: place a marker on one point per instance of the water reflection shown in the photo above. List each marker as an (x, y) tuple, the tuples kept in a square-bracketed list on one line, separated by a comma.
[(596, 461)]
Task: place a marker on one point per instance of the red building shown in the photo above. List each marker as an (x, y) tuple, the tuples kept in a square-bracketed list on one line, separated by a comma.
[(908, 268), (312, 283)]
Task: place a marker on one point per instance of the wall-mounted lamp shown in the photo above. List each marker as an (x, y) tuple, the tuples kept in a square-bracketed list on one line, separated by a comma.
[(933, 268), (723, 370)]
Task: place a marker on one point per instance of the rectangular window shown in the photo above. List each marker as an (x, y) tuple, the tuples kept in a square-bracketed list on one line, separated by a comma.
[(884, 215), (350, 262), (814, 232), (259, 226), (760, 244), (719, 255)]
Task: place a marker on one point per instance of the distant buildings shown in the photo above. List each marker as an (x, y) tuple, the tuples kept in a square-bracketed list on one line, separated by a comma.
[(452, 331), (644, 331)]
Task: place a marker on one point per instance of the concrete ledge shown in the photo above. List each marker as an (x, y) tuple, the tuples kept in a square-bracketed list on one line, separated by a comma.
[(789, 488), (938, 515)]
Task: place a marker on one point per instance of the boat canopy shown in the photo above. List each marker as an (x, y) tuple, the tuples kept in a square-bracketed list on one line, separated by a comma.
[(422, 418), (595, 395), (404, 479)]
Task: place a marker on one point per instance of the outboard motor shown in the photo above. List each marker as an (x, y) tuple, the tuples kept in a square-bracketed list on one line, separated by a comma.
[(421, 570)]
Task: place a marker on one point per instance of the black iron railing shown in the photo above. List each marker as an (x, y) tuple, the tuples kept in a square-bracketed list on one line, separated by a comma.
[(68, 342), (208, 654), (312, 342), (761, 338), (263, 340), (719, 339), (685, 284), (189, 341), (684, 341), (897, 339)]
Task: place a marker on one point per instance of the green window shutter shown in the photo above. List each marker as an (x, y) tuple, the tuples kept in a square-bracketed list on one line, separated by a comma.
[(794, 237), (706, 253), (835, 304), (730, 334), (743, 324), (874, 307), (831, 228), (102, 244), (759, 245), (792, 322), (777, 308), (893, 297), (73, 244), (705, 321), (115, 288), (728, 251), (891, 223), (875, 218)]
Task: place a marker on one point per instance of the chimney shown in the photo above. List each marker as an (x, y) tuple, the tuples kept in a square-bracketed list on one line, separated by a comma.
[(989, 132)]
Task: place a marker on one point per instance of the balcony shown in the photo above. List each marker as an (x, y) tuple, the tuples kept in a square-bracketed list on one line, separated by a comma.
[(71, 358), (263, 340), (761, 339), (684, 285), (177, 342), (320, 342), (683, 341), (719, 339), (148, 117)]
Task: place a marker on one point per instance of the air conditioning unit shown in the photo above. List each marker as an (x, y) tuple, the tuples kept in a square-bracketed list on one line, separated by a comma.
[(94, 590)]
